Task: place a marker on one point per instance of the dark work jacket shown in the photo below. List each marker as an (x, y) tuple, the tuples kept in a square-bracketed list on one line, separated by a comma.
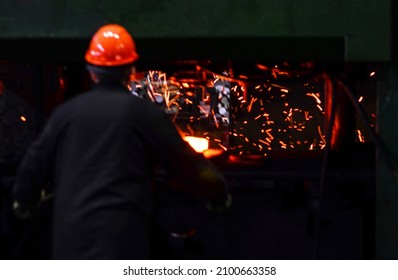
[(99, 150)]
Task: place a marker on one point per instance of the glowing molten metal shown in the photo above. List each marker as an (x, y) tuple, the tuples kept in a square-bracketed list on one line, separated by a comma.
[(197, 143)]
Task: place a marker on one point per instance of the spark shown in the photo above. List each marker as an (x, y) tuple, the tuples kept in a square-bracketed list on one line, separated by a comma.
[(222, 147), (319, 107), (306, 115), (320, 134), (280, 87), (23, 118), (215, 119), (284, 90), (318, 100), (372, 74), (360, 136), (360, 99), (264, 142), (203, 110), (262, 67), (249, 108), (268, 131)]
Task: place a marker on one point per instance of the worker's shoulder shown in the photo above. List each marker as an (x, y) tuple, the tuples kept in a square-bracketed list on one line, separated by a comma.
[(117, 100)]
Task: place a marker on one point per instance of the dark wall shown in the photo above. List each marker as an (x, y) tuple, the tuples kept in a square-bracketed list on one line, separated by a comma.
[(363, 24)]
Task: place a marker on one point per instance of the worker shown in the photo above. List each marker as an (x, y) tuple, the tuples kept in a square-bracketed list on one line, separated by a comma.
[(98, 151)]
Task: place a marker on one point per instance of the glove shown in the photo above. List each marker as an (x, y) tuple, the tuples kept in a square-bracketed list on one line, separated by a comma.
[(21, 212), (220, 205)]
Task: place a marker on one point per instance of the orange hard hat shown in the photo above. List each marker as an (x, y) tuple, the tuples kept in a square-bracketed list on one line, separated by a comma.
[(111, 45)]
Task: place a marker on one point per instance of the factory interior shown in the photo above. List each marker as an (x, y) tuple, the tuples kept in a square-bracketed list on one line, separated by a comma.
[(293, 101)]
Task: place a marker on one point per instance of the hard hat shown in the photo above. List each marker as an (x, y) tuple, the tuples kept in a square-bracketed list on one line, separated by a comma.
[(111, 45)]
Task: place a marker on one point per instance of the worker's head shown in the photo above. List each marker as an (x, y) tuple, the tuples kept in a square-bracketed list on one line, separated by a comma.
[(111, 54)]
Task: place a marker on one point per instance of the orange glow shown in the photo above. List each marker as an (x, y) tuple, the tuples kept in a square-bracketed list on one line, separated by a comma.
[(210, 153), (23, 118), (197, 143)]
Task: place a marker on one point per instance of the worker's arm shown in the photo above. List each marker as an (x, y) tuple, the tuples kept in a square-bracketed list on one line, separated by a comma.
[(34, 172)]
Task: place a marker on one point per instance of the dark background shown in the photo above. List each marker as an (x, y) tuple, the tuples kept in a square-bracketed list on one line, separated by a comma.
[(276, 200)]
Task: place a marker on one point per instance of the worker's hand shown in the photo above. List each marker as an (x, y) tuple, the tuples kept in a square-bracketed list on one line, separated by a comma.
[(22, 212), (220, 205)]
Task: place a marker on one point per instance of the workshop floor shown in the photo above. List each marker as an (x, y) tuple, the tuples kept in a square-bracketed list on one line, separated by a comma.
[(268, 220)]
